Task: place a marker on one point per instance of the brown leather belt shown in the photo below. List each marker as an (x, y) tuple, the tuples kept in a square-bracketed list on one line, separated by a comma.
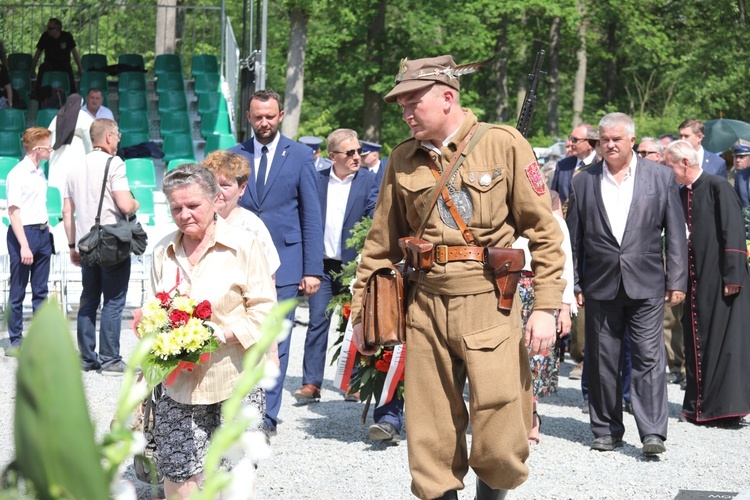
[(445, 254)]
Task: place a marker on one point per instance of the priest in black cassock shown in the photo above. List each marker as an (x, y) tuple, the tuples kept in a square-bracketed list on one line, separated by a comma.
[(717, 306)]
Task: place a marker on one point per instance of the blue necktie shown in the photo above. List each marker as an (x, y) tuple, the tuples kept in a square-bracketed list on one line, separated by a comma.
[(260, 183)]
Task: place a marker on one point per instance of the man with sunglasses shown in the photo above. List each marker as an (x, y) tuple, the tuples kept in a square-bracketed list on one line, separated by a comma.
[(29, 243), (282, 191), (582, 141), (651, 149), (57, 46)]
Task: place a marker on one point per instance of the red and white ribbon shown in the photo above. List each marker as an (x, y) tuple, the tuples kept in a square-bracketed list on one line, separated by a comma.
[(393, 377), (346, 360)]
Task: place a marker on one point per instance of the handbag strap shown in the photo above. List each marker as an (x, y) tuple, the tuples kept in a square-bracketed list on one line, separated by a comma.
[(104, 187), (443, 180)]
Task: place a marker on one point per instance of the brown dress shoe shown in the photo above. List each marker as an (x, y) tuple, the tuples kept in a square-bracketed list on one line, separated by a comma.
[(307, 394)]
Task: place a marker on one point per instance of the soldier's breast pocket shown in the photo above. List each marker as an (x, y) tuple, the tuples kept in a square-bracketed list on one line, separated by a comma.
[(486, 187), (415, 189)]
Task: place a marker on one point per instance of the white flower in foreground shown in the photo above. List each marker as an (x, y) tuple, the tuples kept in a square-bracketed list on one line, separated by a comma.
[(270, 374), (256, 446), (250, 413), (139, 443), (286, 329), (123, 490), (242, 486)]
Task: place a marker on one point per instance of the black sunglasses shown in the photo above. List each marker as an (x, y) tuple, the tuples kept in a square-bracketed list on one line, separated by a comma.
[(646, 153), (575, 140), (350, 152)]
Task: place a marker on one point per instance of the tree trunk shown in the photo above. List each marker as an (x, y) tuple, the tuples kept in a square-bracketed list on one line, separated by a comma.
[(741, 8), (499, 70), (295, 71), (554, 69), (373, 100), (579, 91), (165, 27), (612, 64)]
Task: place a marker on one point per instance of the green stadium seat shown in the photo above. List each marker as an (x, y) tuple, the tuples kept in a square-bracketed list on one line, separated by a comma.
[(44, 117), (21, 82), (56, 80), (172, 100), (173, 164), (134, 60), (133, 138), (94, 80), (174, 122), (135, 120), (204, 63), (131, 100), (10, 145), (12, 120), (167, 63), (132, 80), (54, 205), (170, 81), (207, 82), (219, 141), (94, 62), (140, 172), (178, 146), (145, 197), (19, 61), (211, 101), (6, 165), (2, 197), (45, 167), (216, 122)]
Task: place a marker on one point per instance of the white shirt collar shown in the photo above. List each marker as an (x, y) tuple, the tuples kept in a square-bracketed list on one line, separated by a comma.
[(335, 178), (431, 147), (258, 147)]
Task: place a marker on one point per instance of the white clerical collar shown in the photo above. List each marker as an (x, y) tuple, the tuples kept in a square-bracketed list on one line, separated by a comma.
[(690, 186)]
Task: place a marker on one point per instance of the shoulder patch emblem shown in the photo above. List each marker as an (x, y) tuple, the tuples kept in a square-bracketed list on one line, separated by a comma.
[(535, 178)]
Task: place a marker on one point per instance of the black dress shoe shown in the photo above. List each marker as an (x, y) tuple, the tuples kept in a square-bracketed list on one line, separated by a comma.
[(628, 408), (484, 492), (385, 432), (449, 495), (606, 443), (675, 378), (653, 445)]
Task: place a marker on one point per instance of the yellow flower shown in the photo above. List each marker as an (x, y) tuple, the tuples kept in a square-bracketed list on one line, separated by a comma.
[(192, 335), (184, 303)]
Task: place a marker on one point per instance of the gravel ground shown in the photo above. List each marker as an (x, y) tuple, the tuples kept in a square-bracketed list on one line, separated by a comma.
[(322, 452)]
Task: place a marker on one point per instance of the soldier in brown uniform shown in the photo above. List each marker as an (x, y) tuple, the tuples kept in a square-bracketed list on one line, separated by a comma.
[(455, 329)]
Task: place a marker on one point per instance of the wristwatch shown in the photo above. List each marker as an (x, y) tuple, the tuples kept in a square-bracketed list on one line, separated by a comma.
[(71, 245)]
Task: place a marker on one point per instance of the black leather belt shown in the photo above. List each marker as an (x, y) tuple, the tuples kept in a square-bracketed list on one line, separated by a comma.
[(40, 227)]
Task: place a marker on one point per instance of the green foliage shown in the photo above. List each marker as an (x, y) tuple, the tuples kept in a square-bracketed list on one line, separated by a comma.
[(54, 437)]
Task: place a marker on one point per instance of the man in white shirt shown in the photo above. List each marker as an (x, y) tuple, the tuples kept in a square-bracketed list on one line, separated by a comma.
[(82, 192), (617, 213), (29, 243), (94, 106), (347, 194)]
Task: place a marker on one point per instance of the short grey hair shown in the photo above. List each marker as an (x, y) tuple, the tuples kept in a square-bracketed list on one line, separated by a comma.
[(678, 150), (338, 136), (656, 142), (191, 174), (612, 120)]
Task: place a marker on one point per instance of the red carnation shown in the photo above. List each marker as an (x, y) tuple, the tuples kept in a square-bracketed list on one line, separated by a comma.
[(165, 299), (384, 362), (178, 318), (203, 310), (347, 310)]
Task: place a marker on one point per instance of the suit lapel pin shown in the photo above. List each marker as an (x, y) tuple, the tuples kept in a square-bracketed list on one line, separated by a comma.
[(283, 153)]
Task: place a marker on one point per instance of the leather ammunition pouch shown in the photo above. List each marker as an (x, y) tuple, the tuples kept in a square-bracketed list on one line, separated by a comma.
[(418, 253)]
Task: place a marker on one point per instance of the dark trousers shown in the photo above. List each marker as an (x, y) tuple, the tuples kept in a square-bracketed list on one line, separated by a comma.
[(112, 284), (627, 367), (391, 412), (606, 324), (46, 66), (273, 395), (38, 271), (316, 340)]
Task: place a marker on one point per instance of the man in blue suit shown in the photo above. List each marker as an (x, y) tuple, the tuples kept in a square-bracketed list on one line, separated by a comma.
[(347, 194), (692, 131), (283, 193)]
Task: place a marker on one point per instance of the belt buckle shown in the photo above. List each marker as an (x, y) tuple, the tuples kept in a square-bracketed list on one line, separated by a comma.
[(441, 254)]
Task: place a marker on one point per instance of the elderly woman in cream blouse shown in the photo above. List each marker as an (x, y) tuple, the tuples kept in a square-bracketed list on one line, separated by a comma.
[(207, 259)]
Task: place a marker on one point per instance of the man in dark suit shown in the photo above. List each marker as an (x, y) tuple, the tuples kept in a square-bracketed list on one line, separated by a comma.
[(582, 142), (283, 193), (617, 211), (692, 131), (741, 154), (347, 194)]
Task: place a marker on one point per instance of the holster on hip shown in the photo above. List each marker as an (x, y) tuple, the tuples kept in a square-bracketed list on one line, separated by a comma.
[(506, 265), (417, 252)]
